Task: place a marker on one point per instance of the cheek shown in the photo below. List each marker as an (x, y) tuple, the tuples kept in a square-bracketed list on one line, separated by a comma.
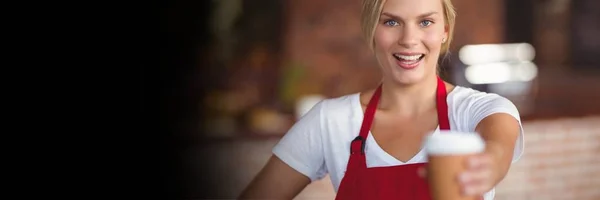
[(384, 39), (433, 39)]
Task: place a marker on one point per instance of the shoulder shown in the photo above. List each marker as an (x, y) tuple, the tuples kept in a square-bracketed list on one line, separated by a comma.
[(469, 106), (464, 97), (461, 94), (337, 106), (326, 111), (304, 145)]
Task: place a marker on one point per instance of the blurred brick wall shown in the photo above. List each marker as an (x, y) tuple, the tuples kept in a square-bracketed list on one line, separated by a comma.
[(324, 37), (478, 22), (560, 163)]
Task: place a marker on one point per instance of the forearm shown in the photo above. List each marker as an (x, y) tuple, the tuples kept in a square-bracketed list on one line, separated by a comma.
[(501, 157), (499, 132)]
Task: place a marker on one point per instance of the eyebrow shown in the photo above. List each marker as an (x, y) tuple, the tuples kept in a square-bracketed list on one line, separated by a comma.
[(420, 16)]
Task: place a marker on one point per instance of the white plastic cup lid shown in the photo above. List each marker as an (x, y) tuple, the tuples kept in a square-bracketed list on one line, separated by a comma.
[(453, 143)]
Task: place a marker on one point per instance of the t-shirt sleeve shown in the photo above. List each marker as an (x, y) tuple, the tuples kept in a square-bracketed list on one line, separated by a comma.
[(483, 106), (302, 146)]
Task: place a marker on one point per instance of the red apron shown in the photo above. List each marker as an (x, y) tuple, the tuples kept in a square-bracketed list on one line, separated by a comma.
[(392, 182)]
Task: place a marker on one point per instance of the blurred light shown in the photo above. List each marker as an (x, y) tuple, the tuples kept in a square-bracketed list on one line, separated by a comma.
[(488, 73), (525, 71), (492, 53), (501, 72)]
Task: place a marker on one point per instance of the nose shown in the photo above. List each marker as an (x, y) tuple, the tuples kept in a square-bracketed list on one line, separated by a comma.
[(409, 37)]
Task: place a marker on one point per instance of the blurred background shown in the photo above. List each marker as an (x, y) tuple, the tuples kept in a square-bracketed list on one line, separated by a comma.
[(254, 67)]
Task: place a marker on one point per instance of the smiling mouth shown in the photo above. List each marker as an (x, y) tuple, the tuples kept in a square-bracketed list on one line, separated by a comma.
[(408, 61)]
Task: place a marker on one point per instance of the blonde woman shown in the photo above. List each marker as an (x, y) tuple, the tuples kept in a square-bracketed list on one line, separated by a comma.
[(370, 142)]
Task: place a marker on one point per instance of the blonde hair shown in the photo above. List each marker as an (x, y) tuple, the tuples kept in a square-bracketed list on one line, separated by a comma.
[(371, 10)]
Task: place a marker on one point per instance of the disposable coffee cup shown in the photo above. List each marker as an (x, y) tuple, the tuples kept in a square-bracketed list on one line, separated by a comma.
[(446, 153)]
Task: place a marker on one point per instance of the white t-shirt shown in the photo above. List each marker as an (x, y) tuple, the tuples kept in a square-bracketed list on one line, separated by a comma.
[(319, 143)]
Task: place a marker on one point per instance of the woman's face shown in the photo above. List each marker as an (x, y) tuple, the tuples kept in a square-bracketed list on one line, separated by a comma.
[(408, 39)]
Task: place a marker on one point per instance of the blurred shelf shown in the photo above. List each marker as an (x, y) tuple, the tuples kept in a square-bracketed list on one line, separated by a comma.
[(562, 92)]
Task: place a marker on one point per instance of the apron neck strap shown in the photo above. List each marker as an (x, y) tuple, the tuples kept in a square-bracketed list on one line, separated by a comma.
[(358, 144), (442, 105)]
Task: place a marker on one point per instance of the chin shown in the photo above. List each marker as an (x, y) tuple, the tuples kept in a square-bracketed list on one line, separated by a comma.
[(408, 78), (404, 76)]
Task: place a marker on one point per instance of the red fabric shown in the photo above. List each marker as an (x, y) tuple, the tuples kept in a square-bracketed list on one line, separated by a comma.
[(392, 182)]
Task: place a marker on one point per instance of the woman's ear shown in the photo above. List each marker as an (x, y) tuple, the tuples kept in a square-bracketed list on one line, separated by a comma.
[(445, 37)]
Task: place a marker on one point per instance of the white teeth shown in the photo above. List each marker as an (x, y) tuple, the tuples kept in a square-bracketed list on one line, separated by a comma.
[(412, 58)]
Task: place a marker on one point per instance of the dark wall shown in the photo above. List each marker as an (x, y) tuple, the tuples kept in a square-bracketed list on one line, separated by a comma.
[(585, 37), (518, 21)]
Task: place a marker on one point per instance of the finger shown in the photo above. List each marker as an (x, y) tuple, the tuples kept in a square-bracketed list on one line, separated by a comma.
[(478, 161), (476, 189), (476, 181), (475, 176)]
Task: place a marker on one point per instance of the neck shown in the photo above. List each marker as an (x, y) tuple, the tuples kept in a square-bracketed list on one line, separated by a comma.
[(409, 100)]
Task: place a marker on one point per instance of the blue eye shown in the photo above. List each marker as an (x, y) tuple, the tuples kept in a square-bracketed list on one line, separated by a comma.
[(426, 23), (390, 23)]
